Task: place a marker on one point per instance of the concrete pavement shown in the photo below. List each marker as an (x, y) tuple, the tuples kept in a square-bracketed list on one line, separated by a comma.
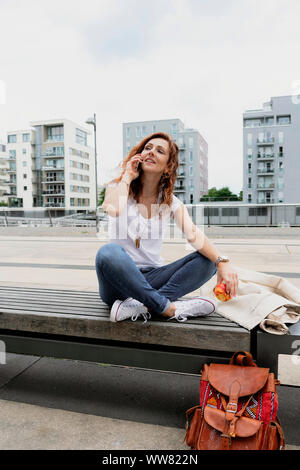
[(57, 404)]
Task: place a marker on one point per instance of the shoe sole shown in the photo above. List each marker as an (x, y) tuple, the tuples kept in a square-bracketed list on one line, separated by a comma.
[(201, 298)]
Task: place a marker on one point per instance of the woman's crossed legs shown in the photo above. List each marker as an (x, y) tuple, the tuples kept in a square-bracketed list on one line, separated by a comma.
[(157, 289)]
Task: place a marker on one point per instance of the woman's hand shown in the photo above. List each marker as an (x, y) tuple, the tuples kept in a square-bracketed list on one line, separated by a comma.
[(228, 276), (131, 171)]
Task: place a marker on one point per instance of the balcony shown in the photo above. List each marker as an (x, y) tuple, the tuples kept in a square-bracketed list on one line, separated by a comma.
[(265, 186), (54, 192), (11, 183), (54, 204), (264, 156), (268, 200), (182, 161), (267, 141), (179, 189), (181, 146), (11, 170), (52, 155), (181, 175), (267, 171), (52, 167), (51, 181)]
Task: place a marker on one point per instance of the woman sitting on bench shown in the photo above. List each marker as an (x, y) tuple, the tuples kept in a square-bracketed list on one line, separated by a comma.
[(133, 279)]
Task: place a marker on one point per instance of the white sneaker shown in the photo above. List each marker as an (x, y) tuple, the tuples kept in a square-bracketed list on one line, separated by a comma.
[(129, 308), (194, 307)]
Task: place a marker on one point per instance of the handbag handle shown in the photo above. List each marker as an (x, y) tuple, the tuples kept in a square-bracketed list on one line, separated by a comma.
[(242, 358)]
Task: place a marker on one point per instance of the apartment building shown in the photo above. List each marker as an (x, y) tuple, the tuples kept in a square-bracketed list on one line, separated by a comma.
[(192, 181), (51, 165), (4, 187), (271, 143)]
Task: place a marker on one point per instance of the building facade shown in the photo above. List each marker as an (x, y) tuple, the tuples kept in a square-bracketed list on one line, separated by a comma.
[(271, 143), (4, 177), (192, 181), (51, 165)]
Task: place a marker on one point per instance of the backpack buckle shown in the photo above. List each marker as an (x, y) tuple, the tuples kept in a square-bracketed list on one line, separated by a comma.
[(232, 404)]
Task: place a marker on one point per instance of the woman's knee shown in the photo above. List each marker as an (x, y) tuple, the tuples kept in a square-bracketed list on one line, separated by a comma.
[(107, 253)]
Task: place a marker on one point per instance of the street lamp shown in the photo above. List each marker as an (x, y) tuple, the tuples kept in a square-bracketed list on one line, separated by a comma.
[(92, 121)]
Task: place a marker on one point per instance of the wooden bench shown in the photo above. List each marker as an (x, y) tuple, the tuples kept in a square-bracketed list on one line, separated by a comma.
[(75, 325)]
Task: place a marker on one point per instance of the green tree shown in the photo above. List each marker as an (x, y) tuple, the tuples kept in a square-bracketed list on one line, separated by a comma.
[(101, 197), (222, 194)]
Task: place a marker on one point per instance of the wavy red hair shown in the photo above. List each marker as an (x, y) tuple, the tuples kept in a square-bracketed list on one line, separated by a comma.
[(167, 181)]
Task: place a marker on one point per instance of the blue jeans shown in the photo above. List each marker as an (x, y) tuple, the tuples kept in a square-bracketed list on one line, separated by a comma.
[(156, 288)]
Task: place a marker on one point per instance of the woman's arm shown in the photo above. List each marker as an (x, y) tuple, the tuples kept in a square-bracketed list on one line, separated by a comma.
[(201, 243), (116, 197)]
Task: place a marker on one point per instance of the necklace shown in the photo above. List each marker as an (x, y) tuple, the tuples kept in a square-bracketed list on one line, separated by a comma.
[(140, 233)]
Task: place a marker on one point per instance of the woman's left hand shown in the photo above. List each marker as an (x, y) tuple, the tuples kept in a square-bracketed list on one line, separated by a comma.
[(229, 277)]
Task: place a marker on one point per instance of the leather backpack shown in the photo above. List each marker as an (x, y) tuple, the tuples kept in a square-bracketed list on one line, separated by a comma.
[(237, 410)]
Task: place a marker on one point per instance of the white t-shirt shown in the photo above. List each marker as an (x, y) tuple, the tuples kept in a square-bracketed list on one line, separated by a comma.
[(130, 224)]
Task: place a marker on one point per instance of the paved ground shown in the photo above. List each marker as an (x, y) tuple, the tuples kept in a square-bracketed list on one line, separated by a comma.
[(56, 404)]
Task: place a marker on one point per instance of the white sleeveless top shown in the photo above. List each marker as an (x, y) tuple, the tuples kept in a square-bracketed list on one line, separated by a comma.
[(130, 224)]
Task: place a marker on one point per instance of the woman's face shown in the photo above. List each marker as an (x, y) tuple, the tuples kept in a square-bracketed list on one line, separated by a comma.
[(155, 156)]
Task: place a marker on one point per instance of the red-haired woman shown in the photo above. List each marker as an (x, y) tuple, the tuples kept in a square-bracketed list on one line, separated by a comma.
[(133, 279)]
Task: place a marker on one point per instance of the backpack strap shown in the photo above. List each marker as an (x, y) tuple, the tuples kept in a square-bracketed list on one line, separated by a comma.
[(242, 358)]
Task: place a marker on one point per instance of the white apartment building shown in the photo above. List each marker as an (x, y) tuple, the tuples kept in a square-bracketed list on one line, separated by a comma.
[(51, 165), (4, 188)]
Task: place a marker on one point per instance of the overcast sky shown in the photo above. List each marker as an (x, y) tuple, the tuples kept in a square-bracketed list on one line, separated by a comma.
[(202, 61)]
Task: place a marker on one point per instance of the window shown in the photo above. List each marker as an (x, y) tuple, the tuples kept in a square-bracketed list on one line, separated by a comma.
[(12, 154), (249, 183), (144, 131), (25, 188), (230, 212), (55, 133), (191, 155), (127, 131), (261, 137), (213, 211), (250, 153), (270, 121), (72, 203), (297, 211), (249, 197), (25, 176), (191, 142), (12, 139), (57, 151), (24, 151), (249, 168), (191, 173), (253, 122), (154, 128), (24, 164), (280, 196), (280, 137), (81, 137), (26, 137), (138, 131), (284, 120), (280, 182), (258, 211), (174, 128)]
